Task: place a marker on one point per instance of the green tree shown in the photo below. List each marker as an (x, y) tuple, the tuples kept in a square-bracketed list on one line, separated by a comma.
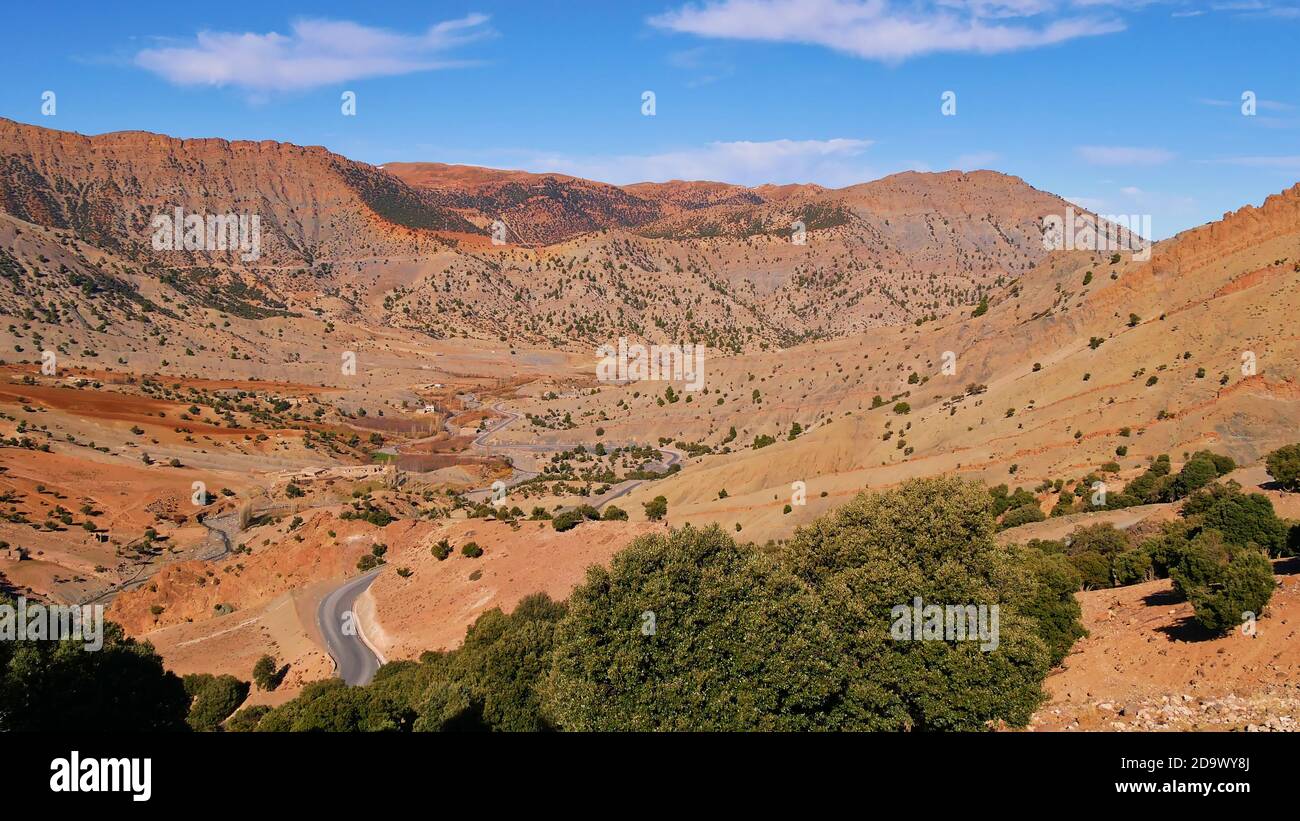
[(60, 686), (1283, 465), (492, 681), (930, 539), (690, 631), (656, 508), (567, 520), (1222, 464), (1102, 538), (265, 673), (1023, 515), (215, 699), (1243, 519), (245, 721), (333, 706), (1222, 581), (1131, 567), (1196, 474), (1048, 598), (1002, 502), (1166, 549), (1093, 567), (441, 550)]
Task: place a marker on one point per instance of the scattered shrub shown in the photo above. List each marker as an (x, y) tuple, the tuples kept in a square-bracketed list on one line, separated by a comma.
[(1023, 515), (656, 509), (567, 520), (442, 549)]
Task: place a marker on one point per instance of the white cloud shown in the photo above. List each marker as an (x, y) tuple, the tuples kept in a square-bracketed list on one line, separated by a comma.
[(1284, 162), (1123, 155), (314, 53), (892, 32), (1257, 9), (1168, 213)]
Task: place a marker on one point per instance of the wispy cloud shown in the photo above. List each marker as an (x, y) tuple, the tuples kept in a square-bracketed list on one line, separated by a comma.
[(1257, 8), (1280, 162), (1123, 155), (314, 53), (895, 31), (704, 66), (1169, 212)]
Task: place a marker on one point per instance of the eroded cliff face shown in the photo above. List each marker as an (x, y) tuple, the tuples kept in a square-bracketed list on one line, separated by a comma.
[(313, 205)]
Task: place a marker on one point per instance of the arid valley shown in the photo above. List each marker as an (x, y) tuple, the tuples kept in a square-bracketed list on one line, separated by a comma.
[(213, 446)]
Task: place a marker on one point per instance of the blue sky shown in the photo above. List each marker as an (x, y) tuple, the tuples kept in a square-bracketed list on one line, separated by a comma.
[(1126, 106)]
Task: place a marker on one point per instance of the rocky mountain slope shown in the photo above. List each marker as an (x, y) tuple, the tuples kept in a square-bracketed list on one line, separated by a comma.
[(585, 262)]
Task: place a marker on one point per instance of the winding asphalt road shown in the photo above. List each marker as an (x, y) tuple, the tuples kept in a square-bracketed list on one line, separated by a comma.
[(354, 661)]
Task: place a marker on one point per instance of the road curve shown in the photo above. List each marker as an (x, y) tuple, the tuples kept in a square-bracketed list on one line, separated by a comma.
[(354, 661), (670, 457)]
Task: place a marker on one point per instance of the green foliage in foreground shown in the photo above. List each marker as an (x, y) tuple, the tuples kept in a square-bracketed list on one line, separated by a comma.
[(59, 686), (688, 630), (491, 682), (933, 539), (692, 631), (1048, 598), (215, 699)]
